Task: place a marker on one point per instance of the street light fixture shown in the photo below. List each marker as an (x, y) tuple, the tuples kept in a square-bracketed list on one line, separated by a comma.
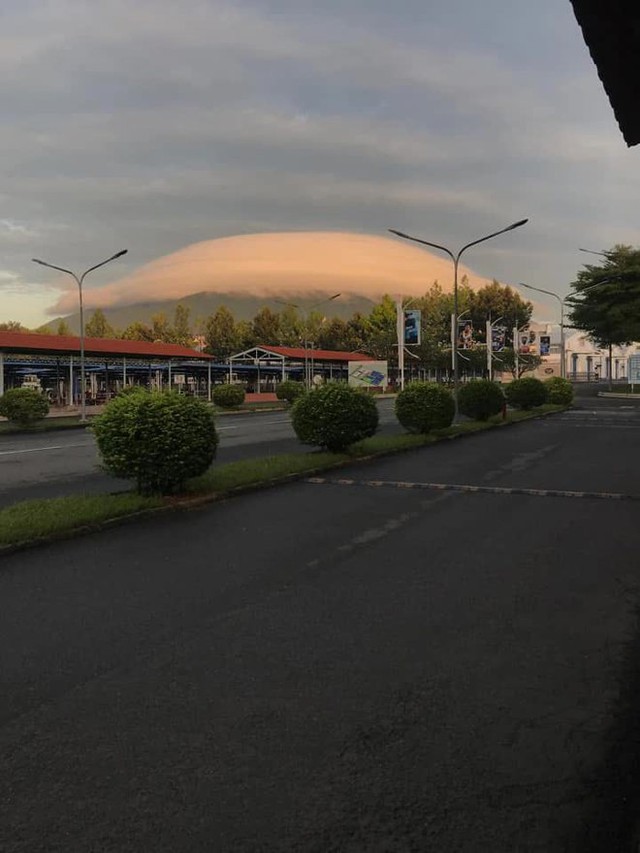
[(79, 280), (455, 257), (307, 377)]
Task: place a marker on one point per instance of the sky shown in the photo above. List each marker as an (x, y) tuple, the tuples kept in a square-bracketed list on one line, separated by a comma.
[(155, 125)]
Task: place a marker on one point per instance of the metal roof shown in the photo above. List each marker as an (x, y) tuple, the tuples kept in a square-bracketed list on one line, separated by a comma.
[(611, 31), (25, 342), (316, 354)]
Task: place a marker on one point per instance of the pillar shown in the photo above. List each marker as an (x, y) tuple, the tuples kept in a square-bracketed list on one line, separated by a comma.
[(72, 396), (1, 374), (209, 381)]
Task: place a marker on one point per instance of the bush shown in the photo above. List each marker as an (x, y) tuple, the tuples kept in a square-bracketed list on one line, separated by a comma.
[(289, 390), (131, 389), (334, 416), (425, 406), (228, 396), (24, 406), (159, 440), (526, 393), (559, 391), (480, 399)]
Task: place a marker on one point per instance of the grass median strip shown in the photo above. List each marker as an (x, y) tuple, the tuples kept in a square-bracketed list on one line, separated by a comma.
[(39, 520), (43, 519)]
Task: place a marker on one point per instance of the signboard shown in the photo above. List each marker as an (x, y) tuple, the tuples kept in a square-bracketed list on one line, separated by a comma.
[(465, 334), (412, 318), (545, 344), (528, 342), (368, 374), (633, 370), (498, 338)]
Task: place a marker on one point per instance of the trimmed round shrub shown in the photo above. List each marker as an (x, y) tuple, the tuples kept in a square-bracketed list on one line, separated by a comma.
[(228, 396), (334, 416), (526, 393), (480, 399), (24, 406), (289, 390), (131, 389), (425, 406), (159, 440), (559, 391)]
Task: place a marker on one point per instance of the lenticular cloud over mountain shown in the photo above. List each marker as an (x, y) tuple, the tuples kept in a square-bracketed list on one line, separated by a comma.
[(280, 264)]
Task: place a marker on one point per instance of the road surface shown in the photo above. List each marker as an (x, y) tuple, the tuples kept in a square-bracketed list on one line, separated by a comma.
[(341, 667), (60, 463)]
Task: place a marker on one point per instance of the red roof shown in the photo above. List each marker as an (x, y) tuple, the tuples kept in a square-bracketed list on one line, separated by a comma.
[(29, 342), (318, 354)]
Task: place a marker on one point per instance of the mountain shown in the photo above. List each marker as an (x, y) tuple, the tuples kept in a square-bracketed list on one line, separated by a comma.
[(201, 305)]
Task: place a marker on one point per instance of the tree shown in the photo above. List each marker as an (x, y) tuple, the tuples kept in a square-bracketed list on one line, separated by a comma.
[(382, 330), (221, 334), (333, 335), (246, 335), (63, 328), (97, 326), (610, 312), (291, 327), (505, 362), (266, 327), (182, 332), (12, 326), (161, 329), (357, 334), (494, 301), (138, 332)]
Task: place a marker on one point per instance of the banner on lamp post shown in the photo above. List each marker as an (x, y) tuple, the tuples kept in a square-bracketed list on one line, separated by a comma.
[(498, 338), (465, 334), (412, 323)]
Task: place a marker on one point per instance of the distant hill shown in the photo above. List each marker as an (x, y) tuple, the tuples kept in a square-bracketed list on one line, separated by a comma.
[(201, 305)]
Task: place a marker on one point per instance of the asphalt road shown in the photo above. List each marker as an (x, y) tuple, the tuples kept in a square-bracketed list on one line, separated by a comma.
[(338, 667), (51, 464)]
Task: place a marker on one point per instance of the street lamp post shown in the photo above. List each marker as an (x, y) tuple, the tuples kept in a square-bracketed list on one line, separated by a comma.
[(79, 280), (563, 302), (455, 257), (307, 376)]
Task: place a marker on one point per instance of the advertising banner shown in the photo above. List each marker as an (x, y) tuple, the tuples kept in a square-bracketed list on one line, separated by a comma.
[(465, 334), (633, 370), (528, 342), (368, 374), (498, 338), (412, 318), (545, 344)]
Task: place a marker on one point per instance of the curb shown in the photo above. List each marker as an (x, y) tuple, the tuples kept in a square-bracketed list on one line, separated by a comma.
[(616, 395), (196, 501)]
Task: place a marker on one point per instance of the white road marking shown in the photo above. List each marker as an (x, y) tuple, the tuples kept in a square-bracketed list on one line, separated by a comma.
[(48, 447)]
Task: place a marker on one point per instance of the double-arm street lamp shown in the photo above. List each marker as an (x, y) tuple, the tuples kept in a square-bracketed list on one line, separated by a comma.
[(307, 376), (455, 257), (563, 302), (79, 280)]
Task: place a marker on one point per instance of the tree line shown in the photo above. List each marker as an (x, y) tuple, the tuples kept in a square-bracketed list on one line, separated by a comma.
[(373, 333)]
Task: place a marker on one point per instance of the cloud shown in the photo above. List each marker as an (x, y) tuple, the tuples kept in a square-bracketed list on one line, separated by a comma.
[(276, 265), (156, 125)]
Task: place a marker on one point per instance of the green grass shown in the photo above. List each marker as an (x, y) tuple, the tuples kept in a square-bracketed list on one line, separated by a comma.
[(622, 389), (46, 425), (248, 472), (29, 520)]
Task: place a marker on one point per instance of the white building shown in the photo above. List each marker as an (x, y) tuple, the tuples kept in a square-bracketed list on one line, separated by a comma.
[(585, 360)]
